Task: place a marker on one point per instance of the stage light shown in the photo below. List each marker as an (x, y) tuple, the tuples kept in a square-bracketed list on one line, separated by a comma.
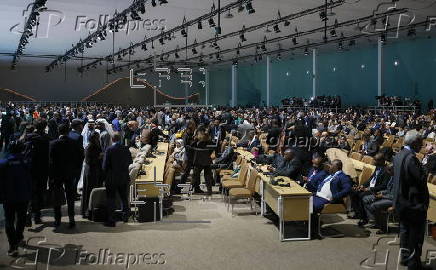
[(341, 45), (323, 16), (184, 33), (200, 25), (242, 37), (135, 16), (240, 8), (119, 57), (276, 29), (228, 15), (383, 38), (352, 43), (333, 33), (218, 30), (411, 32), (142, 8), (294, 41), (306, 51), (176, 55), (212, 22), (194, 51), (235, 62), (161, 41), (131, 51), (144, 47), (250, 8), (287, 23), (153, 3)]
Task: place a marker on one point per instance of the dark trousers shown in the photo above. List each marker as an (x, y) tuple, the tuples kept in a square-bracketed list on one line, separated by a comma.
[(70, 195), (39, 191), (357, 203), (318, 204), (111, 196), (15, 221), (186, 172), (4, 137), (76, 178), (376, 210), (207, 176), (411, 239)]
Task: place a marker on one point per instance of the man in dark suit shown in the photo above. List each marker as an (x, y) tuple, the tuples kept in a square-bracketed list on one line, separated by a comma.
[(377, 182), (15, 194), (62, 156), (290, 166), (39, 160), (411, 200), (369, 146), (76, 135), (116, 163), (333, 189), (316, 174)]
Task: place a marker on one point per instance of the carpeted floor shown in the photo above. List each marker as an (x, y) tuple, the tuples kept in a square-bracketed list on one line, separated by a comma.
[(200, 235)]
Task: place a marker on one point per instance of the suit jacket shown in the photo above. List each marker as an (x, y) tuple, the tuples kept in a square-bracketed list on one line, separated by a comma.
[(15, 179), (340, 186), (411, 196), (370, 148), (62, 157), (314, 181), (78, 139), (381, 181), (291, 168), (116, 163)]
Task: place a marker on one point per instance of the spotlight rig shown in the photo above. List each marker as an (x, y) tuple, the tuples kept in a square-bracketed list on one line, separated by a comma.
[(32, 21)]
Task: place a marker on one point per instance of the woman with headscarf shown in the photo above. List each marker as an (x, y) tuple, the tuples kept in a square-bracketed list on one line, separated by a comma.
[(92, 176)]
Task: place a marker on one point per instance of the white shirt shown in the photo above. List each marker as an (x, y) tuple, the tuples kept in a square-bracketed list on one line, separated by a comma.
[(373, 180), (325, 191)]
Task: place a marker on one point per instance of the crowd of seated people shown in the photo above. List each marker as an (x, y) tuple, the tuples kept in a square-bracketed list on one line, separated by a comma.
[(292, 143), (399, 101), (315, 102)]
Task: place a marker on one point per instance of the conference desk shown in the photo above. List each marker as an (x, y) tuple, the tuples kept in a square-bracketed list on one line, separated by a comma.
[(154, 173), (431, 212), (293, 203)]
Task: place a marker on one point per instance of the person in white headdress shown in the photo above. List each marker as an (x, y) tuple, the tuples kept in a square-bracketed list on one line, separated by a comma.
[(106, 133)]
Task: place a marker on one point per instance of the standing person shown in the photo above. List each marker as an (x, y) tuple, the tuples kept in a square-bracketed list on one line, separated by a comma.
[(76, 135), (15, 194), (62, 167), (411, 200), (188, 140), (202, 161), (39, 157), (116, 163), (92, 176), (7, 129), (105, 136)]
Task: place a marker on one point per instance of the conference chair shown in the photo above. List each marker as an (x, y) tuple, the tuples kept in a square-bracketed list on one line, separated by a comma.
[(331, 209), (234, 182), (356, 156), (368, 160), (246, 192), (366, 173)]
